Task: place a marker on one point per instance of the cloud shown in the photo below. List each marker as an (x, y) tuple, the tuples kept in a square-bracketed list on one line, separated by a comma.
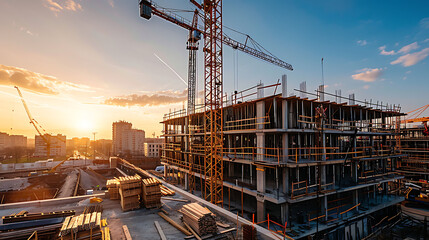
[(35, 82), (409, 48), (424, 23), (368, 74), (148, 99), (58, 5), (111, 3), (426, 40), (412, 58), (366, 87), (384, 52), (362, 42)]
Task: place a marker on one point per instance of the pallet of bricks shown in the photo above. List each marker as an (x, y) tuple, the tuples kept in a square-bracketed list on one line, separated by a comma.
[(199, 218), (130, 191), (113, 188), (151, 193), (84, 226)]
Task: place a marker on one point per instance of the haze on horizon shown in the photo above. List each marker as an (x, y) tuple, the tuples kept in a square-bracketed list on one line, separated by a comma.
[(82, 65)]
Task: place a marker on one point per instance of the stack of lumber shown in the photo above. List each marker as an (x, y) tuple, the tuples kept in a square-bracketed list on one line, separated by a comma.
[(165, 191), (249, 232), (151, 193), (199, 218), (85, 225), (113, 188), (130, 190)]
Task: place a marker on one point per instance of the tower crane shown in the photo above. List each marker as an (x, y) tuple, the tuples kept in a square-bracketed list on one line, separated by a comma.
[(214, 39), (414, 116), (40, 130)]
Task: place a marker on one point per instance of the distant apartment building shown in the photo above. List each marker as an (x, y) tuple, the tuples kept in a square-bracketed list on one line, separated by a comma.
[(9, 141), (57, 145), (152, 147), (127, 140)]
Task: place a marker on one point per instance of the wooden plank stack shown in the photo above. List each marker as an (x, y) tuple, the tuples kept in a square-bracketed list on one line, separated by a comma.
[(113, 188), (130, 190), (249, 232), (85, 225), (151, 192), (199, 218), (165, 191)]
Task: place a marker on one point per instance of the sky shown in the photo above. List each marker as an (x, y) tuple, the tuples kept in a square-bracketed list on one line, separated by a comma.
[(83, 64)]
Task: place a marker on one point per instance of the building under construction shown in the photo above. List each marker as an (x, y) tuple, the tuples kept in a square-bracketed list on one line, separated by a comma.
[(314, 165)]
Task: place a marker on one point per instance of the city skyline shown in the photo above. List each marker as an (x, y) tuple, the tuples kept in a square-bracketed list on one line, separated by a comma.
[(82, 65)]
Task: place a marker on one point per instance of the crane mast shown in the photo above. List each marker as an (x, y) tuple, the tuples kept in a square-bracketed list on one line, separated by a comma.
[(214, 39), (33, 122)]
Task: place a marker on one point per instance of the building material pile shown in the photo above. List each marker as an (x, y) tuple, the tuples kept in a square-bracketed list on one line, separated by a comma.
[(85, 225), (25, 216), (113, 188), (130, 190), (151, 193), (166, 191), (199, 218)]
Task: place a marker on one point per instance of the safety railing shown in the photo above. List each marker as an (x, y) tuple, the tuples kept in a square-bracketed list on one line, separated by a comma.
[(247, 123), (269, 223)]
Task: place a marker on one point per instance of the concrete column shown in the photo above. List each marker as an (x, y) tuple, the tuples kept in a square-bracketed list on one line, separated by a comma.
[(231, 169), (284, 212), (356, 199), (260, 179), (323, 175), (354, 172), (186, 181), (285, 174), (165, 171), (187, 137), (285, 115), (260, 187), (324, 207), (260, 211), (324, 146), (275, 112), (284, 85), (285, 146), (260, 143)]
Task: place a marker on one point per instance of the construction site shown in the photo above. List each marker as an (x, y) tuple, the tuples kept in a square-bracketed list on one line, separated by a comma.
[(271, 161)]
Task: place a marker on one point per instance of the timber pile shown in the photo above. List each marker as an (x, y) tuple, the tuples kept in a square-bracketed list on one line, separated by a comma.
[(249, 232), (85, 225), (25, 216), (113, 188), (151, 193), (165, 191), (130, 190), (199, 218)]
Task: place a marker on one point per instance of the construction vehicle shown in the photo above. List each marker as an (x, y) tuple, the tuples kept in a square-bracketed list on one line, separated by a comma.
[(214, 39), (40, 130)]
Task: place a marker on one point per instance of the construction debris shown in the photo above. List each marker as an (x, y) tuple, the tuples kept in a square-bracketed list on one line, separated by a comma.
[(166, 191), (25, 216), (199, 218), (127, 232)]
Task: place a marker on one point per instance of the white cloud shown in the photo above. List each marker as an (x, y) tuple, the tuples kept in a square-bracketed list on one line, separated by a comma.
[(408, 48), (58, 6), (412, 58), (36, 82), (404, 78), (426, 40), (362, 42), (366, 87), (111, 3), (424, 23), (384, 52), (368, 74)]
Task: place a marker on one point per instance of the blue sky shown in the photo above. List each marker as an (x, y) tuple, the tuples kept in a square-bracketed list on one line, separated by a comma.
[(79, 56)]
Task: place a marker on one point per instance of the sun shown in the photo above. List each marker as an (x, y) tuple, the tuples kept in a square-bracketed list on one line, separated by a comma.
[(84, 124)]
